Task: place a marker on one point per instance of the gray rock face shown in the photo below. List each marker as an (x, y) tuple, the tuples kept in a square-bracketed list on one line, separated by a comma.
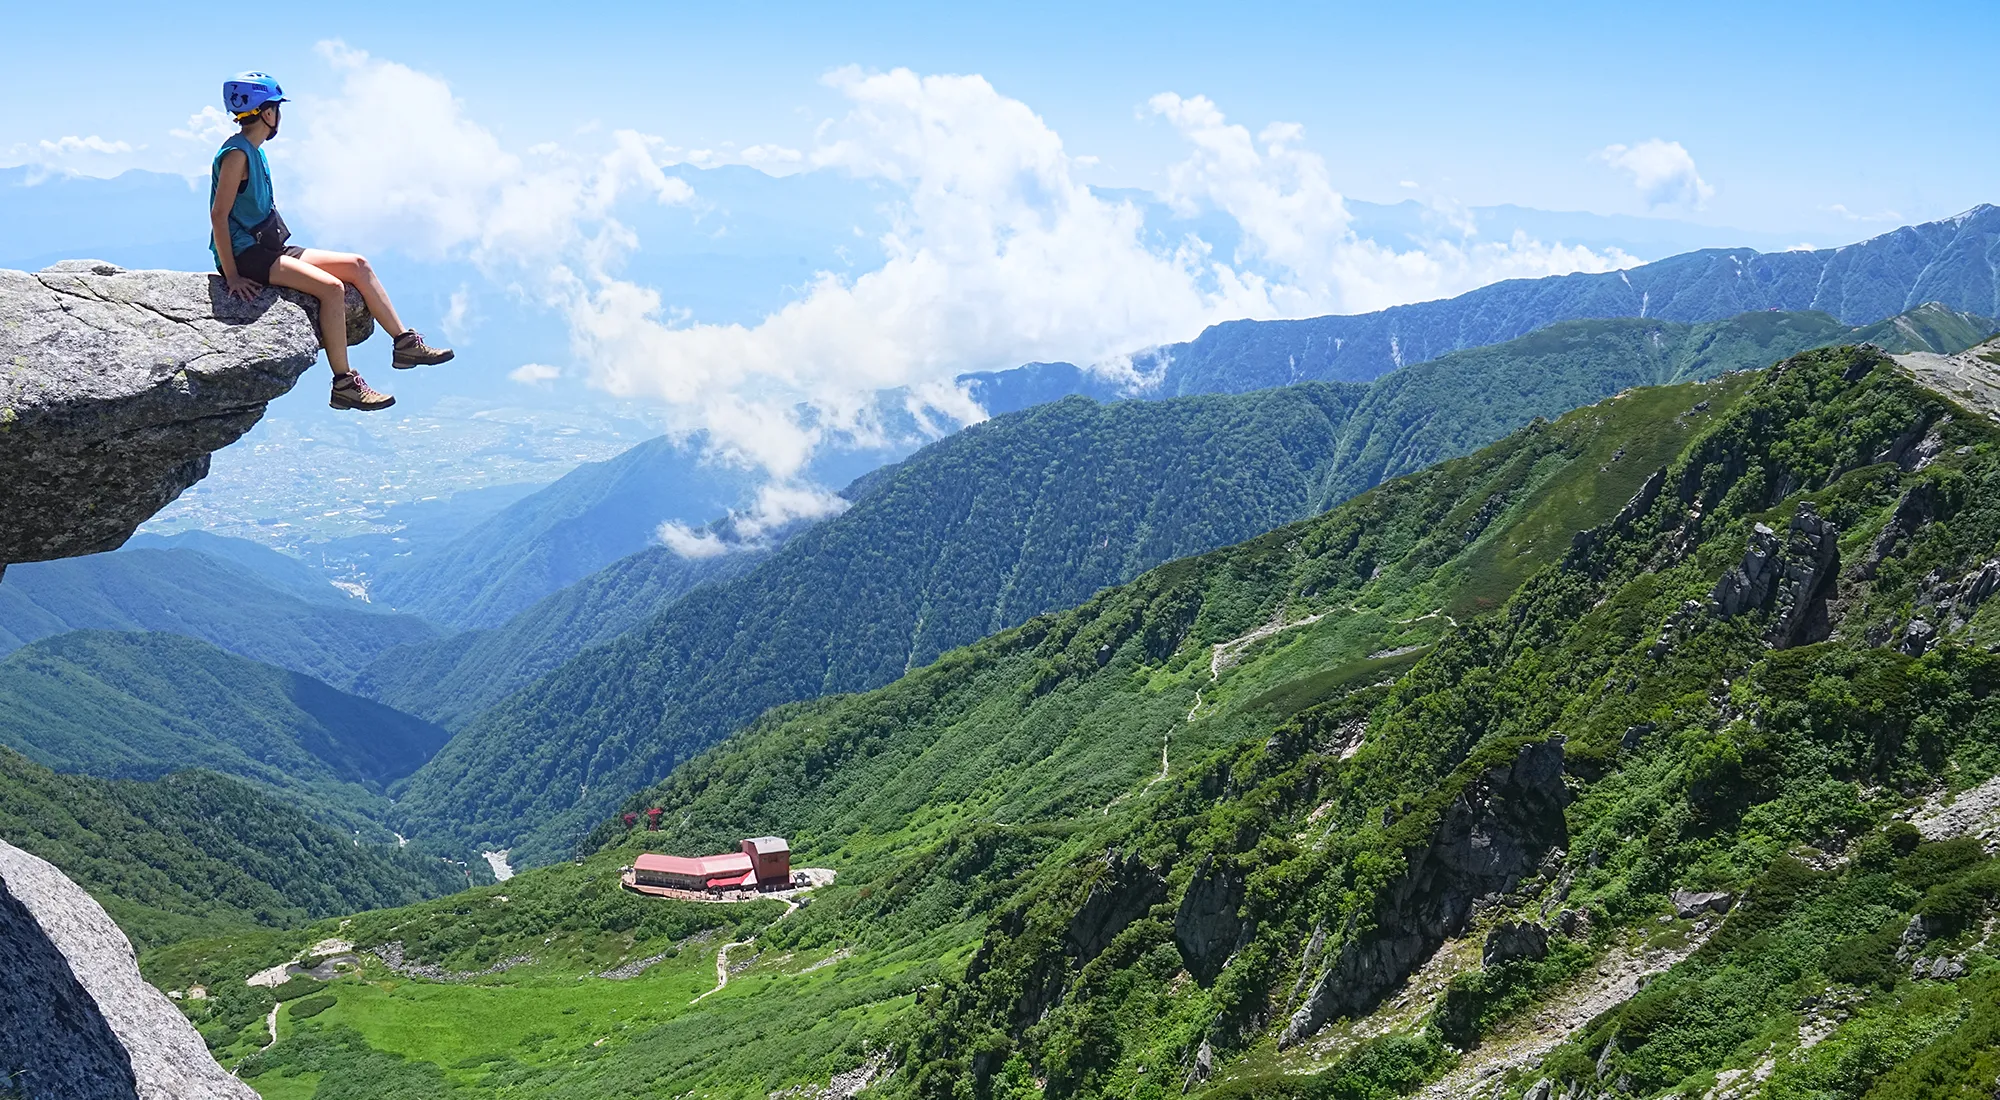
[(1793, 577), (1207, 927), (1493, 835), (115, 387), (1692, 903), (76, 1019), (1127, 888), (1916, 507), (1511, 940)]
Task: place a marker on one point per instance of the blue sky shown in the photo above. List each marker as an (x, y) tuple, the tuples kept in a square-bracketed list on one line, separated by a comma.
[(987, 186), (1788, 110)]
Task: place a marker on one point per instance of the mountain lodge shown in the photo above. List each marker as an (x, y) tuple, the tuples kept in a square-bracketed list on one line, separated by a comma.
[(761, 863)]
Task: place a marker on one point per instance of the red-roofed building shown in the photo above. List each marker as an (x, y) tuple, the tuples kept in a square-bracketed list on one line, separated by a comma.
[(725, 872)]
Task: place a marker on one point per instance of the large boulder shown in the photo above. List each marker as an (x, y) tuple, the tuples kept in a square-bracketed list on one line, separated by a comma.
[(116, 386), (76, 1019)]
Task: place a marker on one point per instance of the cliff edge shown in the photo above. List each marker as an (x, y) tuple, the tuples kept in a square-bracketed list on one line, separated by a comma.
[(76, 1019), (116, 386)]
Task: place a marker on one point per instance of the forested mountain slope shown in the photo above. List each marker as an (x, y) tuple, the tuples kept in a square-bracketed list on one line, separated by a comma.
[(985, 528), (587, 519), (450, 680), (1949, 261), (1734, 686), (196, 853), (138, 706), (1024, 514), (1548, 764), (187, 592)]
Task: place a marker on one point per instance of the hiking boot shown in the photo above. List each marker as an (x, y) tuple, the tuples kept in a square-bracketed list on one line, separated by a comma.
[(351, 391), (411, 351)]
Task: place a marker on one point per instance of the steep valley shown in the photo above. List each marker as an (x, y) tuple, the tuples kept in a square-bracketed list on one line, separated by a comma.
[(1691, 684), (1605, 712)]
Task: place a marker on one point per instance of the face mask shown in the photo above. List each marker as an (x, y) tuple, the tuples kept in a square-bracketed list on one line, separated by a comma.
[(276, 117)]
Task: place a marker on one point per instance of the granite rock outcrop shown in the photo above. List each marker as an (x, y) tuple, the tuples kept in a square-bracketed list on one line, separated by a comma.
[(76, 1018), (1495, 833), (116, 386)]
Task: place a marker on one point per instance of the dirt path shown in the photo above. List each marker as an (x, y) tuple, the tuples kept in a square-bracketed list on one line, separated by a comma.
[(271, 1025), (722, 956)]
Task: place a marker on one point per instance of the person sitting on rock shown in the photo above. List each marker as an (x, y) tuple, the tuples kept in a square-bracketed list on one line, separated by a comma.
[(251, 247)]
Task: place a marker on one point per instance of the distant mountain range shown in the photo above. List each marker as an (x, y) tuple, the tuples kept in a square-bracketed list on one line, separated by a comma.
[(1949, 262)]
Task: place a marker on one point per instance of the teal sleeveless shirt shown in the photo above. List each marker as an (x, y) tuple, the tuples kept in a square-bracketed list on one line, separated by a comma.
[(253, 201)]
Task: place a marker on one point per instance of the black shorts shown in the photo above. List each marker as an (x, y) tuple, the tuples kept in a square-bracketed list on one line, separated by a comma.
[(255, 262)]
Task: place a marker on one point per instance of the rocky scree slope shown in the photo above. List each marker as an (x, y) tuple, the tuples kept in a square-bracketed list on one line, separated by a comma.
[(115, 387)]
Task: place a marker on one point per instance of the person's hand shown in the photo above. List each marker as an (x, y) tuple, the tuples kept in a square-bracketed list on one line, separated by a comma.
[(243, 288)]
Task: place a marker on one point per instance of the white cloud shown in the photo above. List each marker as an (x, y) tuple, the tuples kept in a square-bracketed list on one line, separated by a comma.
[(997, 253), (1299, 255), (207, 127), (87, 155), (777, 506), (535, 374), (458, 315), (457, 189), (1662, 171)]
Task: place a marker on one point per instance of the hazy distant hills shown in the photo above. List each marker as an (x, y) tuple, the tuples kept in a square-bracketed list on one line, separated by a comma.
[(596, 514), (224, 603), (140, 705), (1947, 261)]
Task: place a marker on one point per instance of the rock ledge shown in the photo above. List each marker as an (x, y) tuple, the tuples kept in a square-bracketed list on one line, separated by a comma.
[(116, 386), (76, 1018)]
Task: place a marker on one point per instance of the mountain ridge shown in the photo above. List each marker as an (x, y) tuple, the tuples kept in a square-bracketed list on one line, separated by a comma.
[(1859, 283), (700, 668)]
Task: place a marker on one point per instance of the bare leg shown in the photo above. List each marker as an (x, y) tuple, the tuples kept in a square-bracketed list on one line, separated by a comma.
[(296, 274), (350, 268)]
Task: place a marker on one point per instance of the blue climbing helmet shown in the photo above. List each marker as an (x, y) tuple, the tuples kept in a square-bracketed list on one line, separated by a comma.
[(250, 92)]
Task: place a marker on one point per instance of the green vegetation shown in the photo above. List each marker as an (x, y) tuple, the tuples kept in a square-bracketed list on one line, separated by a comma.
[(137, 706), (1214, 816), (1025, 514), (223, 603), (196, 852), (452, 680)]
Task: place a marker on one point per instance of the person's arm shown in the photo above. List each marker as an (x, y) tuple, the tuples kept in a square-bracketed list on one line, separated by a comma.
[(234, 167)]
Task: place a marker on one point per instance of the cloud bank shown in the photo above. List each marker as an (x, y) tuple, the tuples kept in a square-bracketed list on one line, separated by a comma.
[(997, 253), (1663, 172)]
